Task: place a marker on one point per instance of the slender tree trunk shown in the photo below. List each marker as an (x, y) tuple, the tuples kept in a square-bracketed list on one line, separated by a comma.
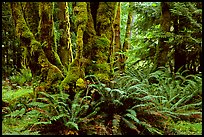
[(65, 45), (163, 48), (76, 68), (47, 35), (180, 49), (117, 44), (126, 44)]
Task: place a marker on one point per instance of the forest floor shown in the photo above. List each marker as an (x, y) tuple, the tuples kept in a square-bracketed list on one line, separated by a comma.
[(18, 123)]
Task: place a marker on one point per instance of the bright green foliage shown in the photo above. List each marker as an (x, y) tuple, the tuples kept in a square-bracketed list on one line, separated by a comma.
[(59, 107), (22, 77), (187, 128), (146, 32), (14, 126), (174, 96), (145, 100)]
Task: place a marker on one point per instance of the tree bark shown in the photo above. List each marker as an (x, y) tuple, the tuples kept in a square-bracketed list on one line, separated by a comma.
[(163, 47), (94, 31), (117, 44), (180, 49), (126, 44), (65, 45), (37, 60), (47, 34)]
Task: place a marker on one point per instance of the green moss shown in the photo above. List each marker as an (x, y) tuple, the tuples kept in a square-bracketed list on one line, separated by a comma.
[(74, 73), (102, 43), (187, 128), (103, 77), (34, 46), (80, 83), (82, 16), (103, 67)]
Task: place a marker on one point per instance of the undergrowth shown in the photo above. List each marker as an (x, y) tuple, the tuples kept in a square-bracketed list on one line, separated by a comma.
[(140, 102)]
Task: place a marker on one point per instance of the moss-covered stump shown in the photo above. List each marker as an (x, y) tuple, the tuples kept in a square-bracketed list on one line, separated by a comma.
[(75, 72)]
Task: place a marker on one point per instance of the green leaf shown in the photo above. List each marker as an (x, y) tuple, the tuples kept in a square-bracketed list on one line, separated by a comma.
[(45, 123), (72, 125), (133, 118), (17, 113), (130, 125), (58, 117), (154, 5)]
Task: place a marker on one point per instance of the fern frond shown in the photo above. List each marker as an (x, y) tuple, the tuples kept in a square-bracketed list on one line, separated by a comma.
[(17, 113), (55, 118), (131, 111), (72, 125), (117, 102), (152, 129), (37, 104), (133, 117), (93, 113), (130, 125), (189, 106), (45, 123), (50, 97), (116, 124)]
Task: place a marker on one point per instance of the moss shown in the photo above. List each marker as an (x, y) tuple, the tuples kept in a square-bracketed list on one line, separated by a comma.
[(82, 16), (80, 83), (103, 77), (102, 42), (103, 67), (75, 72), (34, 46)]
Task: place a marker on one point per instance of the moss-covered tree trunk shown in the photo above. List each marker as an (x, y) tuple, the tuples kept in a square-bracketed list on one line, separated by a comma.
[(76, 68), (117, 44), (126, 44), (95, 35), (40, 66), (65, 45), (163, 46), (47, 36)]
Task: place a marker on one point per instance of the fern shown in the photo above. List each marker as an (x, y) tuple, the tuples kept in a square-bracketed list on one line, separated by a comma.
[(130, 125), (116, 125), (72, 125), (17, 113)]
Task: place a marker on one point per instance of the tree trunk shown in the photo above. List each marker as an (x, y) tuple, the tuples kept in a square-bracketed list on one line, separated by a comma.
[(99, 39), (65, 45), (117, 44), (46, 30), (37, 60), (163, 47), (126, 44), (180, 49), (95, 35)]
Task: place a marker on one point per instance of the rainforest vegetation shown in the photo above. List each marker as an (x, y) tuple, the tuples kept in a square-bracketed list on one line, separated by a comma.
[(101, 68)]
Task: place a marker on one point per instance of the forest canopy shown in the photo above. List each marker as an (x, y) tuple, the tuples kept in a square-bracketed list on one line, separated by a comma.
[(107, 68)]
